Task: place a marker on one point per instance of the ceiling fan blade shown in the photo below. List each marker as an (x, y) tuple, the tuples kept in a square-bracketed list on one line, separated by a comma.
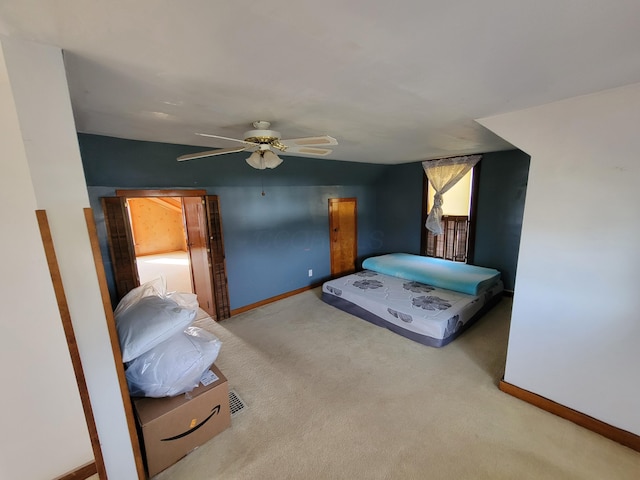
[(318, 152), (310, 141), (226, 138), (211, 153)]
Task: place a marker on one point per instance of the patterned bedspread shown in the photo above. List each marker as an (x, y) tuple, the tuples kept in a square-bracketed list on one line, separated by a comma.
[(427, 314)]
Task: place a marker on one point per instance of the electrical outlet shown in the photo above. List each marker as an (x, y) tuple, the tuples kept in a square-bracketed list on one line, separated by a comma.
[(310, 273)]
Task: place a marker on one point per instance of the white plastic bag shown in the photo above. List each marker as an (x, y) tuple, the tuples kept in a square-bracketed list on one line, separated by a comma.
[(157, 287), (175, 366), (149, 322), (186, 300)]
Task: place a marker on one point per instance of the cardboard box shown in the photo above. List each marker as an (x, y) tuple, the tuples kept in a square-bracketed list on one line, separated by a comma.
[(174, 426)]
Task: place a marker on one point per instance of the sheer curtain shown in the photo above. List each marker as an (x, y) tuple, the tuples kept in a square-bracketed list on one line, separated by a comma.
[(444, 174)]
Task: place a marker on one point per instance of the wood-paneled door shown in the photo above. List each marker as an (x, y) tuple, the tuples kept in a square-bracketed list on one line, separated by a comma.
[(199, 252), (121, 248), (343, 234), (217, 257)]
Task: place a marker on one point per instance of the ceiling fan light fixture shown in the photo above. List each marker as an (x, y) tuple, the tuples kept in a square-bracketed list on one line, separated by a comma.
[(271, 160), (256, 160)]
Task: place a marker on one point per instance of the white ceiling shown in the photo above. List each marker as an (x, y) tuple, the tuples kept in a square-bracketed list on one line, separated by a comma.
[(393, 81)]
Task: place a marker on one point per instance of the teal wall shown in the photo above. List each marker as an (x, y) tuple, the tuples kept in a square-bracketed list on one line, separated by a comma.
[(501, 196), (399, 208), (272, 241)]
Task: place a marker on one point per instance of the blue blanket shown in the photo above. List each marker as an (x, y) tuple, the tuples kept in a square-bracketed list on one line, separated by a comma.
[(456, 276)]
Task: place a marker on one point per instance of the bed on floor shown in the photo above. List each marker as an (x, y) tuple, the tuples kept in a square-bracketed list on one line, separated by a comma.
[(429, 300)]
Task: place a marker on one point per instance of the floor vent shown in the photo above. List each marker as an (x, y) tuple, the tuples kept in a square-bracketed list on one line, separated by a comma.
[(236, 403)]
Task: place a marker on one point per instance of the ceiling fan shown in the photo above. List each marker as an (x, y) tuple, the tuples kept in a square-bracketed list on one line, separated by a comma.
[(262, 141)]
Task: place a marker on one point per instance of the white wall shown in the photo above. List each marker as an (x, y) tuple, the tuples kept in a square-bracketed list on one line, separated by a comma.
[(40, 93), (43, 429), (575, 329)]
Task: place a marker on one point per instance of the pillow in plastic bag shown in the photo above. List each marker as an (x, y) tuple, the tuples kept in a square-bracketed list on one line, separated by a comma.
[(175, 366), (148, 322), (156, 287), (186, 300)]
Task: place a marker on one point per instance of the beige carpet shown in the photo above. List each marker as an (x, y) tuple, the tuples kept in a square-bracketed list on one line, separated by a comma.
[(331, 396)]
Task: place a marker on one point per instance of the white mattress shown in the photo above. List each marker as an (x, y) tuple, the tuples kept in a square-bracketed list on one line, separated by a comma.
[(430, 315)]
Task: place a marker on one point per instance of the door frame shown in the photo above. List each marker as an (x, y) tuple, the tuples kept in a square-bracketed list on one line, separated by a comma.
[(160, 193), (211, 228), (122, 193)]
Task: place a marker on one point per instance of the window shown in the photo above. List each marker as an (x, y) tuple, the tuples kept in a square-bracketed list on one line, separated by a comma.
[(457, 242), (452, 245)]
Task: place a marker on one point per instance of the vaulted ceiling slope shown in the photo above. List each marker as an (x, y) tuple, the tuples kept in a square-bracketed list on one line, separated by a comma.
[(394, 82)]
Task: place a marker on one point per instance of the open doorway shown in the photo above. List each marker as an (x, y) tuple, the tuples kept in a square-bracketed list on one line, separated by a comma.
[(160, 241), (202, 227)]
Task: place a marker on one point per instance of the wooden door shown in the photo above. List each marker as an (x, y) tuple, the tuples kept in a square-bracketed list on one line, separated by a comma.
[(217, 257), (199, 255), (123, 257), (343, 214)]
